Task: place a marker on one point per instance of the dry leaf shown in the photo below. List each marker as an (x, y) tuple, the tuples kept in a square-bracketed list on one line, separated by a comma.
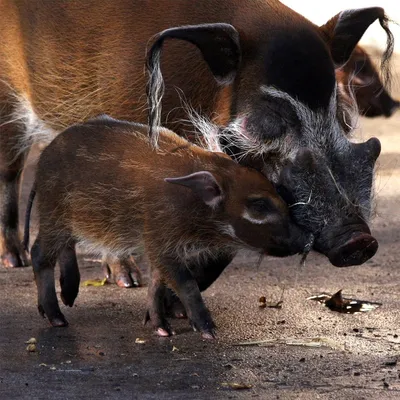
[(95, 282), (236, 386), (344, 305)]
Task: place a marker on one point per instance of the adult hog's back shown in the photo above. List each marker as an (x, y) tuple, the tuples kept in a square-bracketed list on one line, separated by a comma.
[(61, 62)]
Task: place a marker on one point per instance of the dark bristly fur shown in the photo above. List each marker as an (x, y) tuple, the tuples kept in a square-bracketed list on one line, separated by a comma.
[(103, 185)]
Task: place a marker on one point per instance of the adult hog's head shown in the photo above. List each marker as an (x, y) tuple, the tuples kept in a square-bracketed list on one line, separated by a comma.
[(359, 78), (289, 120)]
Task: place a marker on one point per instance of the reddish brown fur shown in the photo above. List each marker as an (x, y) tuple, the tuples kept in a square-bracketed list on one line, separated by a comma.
[(73, 60), (89, 59), (111, 195)]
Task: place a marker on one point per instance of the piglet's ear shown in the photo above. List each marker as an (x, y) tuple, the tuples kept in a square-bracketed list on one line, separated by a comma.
[(343, 32), (202, 183)]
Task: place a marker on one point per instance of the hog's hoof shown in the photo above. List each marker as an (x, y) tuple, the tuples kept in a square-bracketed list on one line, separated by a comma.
[(13, 260), (68, 298), (57, 321), (125, 280), (210, 335), (162, 327), (125, 274), (175, 309), (207, 332), (164, 332)]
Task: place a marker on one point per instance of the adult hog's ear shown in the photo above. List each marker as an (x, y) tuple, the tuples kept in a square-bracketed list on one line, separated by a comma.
[(219, 45), (203, 184), (344, 30)]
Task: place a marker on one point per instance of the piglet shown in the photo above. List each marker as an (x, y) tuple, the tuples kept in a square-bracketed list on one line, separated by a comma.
[(102, 184)]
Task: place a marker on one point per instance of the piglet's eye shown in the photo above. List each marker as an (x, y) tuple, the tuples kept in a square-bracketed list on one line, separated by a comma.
[(260, 205)]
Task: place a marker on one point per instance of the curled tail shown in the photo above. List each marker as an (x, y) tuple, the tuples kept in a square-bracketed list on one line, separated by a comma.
[(31, 197)]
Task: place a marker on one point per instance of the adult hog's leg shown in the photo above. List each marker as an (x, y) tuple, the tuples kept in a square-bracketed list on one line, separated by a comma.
[(43, 261), (123, 271), (155, 311), (205, 272), (11, 164), (69, 275)]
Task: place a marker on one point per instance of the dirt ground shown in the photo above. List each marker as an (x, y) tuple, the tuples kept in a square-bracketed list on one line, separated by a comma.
[(107, 353)]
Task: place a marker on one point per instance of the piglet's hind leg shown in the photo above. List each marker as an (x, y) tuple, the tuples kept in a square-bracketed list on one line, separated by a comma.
[(43, 263)]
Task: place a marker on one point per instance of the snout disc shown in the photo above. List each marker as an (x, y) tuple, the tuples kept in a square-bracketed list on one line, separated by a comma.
[(356, 251)]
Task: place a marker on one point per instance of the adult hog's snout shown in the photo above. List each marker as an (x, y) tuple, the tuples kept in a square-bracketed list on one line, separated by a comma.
[(334, 203), (347, 244), (377, 104)]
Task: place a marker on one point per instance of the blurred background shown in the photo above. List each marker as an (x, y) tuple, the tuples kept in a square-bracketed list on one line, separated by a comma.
[(321, 12)]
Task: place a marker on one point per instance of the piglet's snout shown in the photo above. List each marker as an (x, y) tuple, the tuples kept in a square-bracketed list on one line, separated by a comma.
[(295, 241)]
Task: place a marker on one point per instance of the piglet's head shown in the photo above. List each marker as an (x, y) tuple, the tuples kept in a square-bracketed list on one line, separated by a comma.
[(245, 209)]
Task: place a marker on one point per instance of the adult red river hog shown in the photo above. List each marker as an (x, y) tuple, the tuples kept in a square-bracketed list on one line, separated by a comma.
[(269, 79), (359, 78)]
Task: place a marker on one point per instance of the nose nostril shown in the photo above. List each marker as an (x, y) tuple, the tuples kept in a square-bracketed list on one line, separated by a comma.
[(355, 251)]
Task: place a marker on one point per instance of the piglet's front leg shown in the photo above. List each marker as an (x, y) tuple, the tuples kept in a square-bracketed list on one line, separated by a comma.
[(181, 281)]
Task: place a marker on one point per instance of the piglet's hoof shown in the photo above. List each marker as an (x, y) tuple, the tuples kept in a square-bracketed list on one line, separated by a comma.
[(162, 327), (206, 333), (59, 322), (164, 332), (210, 335), (56, 321)]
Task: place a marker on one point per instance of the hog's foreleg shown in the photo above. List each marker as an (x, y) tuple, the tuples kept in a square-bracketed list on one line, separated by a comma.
[(205, 271), (181, 281), (69, 275)]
